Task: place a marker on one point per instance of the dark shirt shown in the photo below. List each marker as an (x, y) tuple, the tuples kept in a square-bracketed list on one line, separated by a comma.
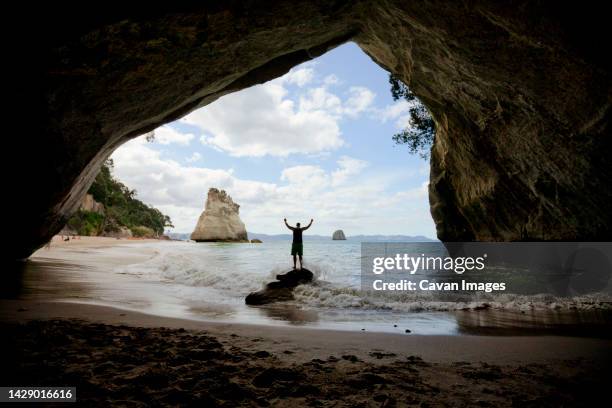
[(297, 235)]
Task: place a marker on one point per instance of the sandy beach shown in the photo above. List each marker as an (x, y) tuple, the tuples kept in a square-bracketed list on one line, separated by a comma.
[(57, 247), (124, 357)]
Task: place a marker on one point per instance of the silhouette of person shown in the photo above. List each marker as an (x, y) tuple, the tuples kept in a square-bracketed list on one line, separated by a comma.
[(297, 246)]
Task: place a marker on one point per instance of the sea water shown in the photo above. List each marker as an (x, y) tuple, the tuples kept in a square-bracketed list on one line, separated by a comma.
[(209, 281)]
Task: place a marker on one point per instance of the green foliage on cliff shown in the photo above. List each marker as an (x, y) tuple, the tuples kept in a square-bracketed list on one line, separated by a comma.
[(121, 209), (87, 223), (142, 231), (419, 136)]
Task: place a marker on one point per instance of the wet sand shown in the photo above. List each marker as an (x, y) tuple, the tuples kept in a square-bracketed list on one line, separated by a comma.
[(308, 343), (119, 357), (115, 357)]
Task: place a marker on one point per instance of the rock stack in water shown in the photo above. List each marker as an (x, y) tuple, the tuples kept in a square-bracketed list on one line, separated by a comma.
[(220, 221), (338, 236)]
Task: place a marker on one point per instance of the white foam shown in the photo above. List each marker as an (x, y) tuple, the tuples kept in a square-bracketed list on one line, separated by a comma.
[(328, 296), (225, 274)]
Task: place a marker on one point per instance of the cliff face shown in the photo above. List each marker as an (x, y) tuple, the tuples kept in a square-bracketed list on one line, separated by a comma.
[(520, 93), (89, 204), (220, 220), (521, 99)]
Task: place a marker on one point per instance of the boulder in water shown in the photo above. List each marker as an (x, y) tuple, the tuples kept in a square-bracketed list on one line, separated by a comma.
[(281, 289), (338, 235)]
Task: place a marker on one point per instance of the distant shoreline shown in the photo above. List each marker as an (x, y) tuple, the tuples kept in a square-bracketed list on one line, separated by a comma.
[(310, 237)]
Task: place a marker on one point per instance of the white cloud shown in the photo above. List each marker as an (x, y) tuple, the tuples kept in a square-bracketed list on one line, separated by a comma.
[(348, 167), (360, 99), (306, 178), (398, 112), (267, 120), (166, 135), (320, 99), (419, 192), (330, 80), (299, 76), (393, 111), (262, 121), (161, 181)]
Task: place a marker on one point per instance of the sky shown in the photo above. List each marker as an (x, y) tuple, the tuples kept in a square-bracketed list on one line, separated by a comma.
[(314, 143)]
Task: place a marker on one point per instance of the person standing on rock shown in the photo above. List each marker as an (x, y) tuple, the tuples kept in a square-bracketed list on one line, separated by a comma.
[(297, 246)]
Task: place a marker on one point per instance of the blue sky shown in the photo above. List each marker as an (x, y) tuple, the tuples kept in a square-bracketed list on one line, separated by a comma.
[(315, 143)]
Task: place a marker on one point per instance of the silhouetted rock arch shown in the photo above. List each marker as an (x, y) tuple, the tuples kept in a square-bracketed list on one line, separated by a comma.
[(520, 94)]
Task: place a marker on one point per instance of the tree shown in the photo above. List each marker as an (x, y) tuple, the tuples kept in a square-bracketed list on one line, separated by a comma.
[(419, 135), (121, 208)]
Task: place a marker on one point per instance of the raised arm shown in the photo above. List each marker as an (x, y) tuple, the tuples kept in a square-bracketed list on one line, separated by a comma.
[(288, 226), (308, 226)]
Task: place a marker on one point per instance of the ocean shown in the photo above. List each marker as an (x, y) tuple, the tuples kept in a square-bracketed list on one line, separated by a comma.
[(209, 281)]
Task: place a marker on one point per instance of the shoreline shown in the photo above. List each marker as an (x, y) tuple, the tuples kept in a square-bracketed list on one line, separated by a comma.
[(96, 271), (314, 341)]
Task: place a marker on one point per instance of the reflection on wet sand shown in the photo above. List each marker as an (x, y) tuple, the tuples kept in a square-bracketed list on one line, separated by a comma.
[(48, 279), (289, 313), (44, 279), (589, 323)]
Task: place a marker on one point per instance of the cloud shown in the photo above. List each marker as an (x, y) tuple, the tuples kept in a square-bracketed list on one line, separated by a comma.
[(330, 80), (268, 119), (348, 167), (310, 178), (262, 121), (306, 179), (360, 99), (161, 181), (320, 99), (415, 193), (398, 112), (299, 76), (166, 135)]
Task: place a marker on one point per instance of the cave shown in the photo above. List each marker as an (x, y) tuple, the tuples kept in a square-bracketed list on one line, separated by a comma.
[(520, 93)]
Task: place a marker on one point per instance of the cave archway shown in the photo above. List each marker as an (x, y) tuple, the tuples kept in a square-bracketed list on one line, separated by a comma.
[(520, 94)]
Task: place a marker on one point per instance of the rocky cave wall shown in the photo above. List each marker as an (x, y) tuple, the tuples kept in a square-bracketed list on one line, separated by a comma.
[(520, 93)]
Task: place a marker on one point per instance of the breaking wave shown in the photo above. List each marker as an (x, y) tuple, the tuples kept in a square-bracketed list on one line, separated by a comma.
[(322, 294), (232, 272)]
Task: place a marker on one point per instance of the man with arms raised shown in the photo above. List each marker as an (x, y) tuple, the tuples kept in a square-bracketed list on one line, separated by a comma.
[(297, 246)]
